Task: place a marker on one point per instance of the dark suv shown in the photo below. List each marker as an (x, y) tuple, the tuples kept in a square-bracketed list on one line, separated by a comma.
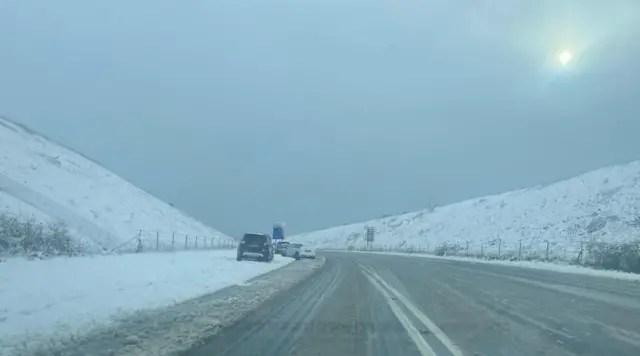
[(257, 246)]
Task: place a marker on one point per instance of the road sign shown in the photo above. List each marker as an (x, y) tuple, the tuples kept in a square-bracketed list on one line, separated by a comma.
[(370, 235), (371, 231), (278, 231)]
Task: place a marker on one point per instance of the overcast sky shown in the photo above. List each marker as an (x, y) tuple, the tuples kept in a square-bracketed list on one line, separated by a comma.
[(323, 112)]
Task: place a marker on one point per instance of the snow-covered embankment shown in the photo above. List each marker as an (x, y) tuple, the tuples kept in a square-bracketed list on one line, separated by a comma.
[(60, 302)]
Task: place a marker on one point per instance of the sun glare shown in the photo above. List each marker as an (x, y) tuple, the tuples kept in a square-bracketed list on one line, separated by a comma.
[(565, 57)]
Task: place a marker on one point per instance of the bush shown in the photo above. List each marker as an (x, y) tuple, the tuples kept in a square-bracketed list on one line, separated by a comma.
[(24, 236), (450, 249), (623, 256)]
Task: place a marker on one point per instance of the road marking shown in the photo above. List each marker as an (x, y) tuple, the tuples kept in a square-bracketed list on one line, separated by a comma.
[(414, 334), (431, 326)]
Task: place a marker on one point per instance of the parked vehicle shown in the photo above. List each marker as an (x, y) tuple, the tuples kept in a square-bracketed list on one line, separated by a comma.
[(298, 251), (308, 252), (281, 247), (256, 246), (293, 250)]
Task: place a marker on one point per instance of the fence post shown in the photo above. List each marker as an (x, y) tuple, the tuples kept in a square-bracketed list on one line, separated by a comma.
[(173, 240), (196, 242), (520, 250), (204, 240), (186, 237), (139, 239), (547, 253), (581, 252), (157, 240)]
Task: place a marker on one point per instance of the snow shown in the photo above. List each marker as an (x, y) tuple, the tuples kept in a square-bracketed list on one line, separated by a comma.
[(46, 302), (177, 328), (522, 264), (102, 209), (596, 206), (18, 208), (50, 299)]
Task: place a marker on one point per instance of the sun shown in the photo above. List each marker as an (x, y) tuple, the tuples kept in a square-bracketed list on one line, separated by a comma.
[(565, 57)]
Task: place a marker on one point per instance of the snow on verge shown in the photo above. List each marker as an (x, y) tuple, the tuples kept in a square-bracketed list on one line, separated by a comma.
[(522, 264), (48, 300), (177, 328)]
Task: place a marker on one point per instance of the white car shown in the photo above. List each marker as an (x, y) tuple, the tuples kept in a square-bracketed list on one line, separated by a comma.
[(299, 251)]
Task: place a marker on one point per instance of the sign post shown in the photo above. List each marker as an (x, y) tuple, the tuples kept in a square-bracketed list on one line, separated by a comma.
[(370, 236)]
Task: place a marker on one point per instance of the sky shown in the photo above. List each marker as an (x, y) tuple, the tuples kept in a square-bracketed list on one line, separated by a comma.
[(318, 113)]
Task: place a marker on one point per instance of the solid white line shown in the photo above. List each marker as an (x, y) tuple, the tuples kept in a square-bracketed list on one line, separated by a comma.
[(433, 328), (414, 334)]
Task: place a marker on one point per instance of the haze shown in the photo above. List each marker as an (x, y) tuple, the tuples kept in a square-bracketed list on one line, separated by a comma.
[(318, 113)]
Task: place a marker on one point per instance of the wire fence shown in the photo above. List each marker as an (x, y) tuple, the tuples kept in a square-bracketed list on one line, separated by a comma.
[(25, 236), (622, 256), (153, 240), (488, 250)]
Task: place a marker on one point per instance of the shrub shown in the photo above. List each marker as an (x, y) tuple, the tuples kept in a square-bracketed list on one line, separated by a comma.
[(23, 235), (623, 256)]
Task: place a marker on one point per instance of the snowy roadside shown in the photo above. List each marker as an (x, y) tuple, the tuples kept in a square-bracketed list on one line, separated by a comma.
[(549, 266), (47, 302), (175, 329)]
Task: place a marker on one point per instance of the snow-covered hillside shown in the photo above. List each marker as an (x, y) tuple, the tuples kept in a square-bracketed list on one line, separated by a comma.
[(45, 180), (597, 206)]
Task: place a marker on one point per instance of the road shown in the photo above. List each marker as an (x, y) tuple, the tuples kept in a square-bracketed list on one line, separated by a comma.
[(375, 305)]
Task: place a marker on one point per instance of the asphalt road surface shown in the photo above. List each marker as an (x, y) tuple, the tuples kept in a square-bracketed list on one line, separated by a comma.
[(375, 305)]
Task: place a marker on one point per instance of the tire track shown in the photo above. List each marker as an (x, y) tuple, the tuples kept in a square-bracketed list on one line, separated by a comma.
[(275, 327)]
